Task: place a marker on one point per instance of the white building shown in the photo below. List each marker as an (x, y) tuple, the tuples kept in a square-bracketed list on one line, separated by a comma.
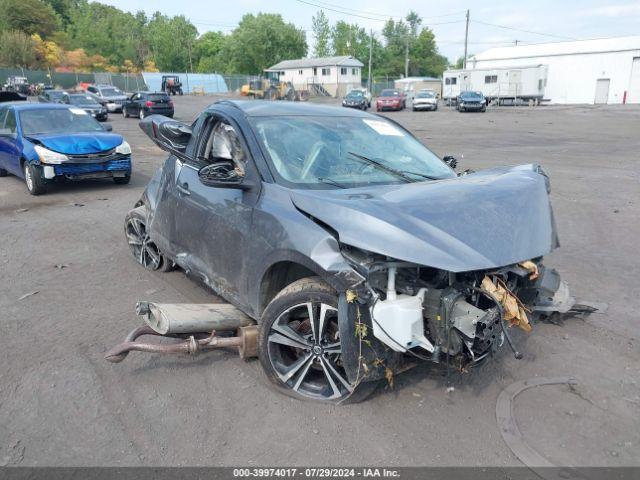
[(587, 71), (336, 75)]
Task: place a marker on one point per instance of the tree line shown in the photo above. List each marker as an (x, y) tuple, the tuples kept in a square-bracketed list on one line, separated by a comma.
[(79, 36)]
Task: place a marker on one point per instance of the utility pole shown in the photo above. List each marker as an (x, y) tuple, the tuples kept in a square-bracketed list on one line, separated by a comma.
[(370, 55), (406, 56), (466, 40)]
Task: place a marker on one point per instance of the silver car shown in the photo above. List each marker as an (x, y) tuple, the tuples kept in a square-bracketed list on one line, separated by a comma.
[(425, 100), (112, 97)]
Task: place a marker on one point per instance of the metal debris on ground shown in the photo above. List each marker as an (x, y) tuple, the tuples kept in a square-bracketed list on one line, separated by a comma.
[(27, 295)]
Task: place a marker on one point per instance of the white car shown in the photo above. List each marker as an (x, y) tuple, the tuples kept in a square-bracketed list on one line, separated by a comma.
[(366, 93), (425, 100)]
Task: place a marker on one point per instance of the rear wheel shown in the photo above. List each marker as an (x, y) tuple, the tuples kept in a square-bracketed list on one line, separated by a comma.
[(144, 249), (3, 172), (142, 115), (33, 179), (300, 346)]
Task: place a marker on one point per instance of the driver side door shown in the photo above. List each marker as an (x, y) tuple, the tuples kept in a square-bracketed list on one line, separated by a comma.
[(10, 144), (214, 222)]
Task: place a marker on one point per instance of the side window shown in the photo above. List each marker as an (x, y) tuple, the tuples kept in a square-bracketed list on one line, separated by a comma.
[(224, 146), (10, 121), (92, 89)]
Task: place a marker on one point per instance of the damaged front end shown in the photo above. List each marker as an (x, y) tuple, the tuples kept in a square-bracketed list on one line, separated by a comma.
[(404, 310)]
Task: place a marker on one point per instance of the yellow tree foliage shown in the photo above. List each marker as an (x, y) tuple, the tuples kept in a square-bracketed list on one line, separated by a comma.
[(128, 67), (150, 66), (47, 51)]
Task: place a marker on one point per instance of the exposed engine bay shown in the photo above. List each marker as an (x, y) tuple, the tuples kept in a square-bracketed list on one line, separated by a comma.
[(461, 317)]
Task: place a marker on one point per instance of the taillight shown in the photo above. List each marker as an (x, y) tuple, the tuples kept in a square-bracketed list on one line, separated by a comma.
[(149, 103)]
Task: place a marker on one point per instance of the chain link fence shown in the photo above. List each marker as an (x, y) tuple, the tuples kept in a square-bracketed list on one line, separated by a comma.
[(126, 82)]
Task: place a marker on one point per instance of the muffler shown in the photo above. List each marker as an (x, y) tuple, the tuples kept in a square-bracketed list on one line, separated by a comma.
[(197, 324)]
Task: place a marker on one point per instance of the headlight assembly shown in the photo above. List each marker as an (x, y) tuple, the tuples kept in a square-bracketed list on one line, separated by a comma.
[(124, 148), (49, 156)]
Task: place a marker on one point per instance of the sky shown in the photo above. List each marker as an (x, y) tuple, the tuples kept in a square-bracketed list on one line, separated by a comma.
[(533, 21)]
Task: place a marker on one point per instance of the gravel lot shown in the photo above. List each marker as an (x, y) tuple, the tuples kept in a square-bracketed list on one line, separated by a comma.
[(69, 287)]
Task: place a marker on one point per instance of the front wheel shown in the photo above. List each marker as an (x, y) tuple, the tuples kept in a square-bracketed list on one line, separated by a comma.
[(125, 114), (142, 115), (300, 346), (3, 172), (144, 249), (33, 179)]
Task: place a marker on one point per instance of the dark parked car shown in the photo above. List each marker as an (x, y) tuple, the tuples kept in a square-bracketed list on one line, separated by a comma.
[(51, 96), (88, 104), (471, 102), (391, 99), (351, 244), (355, 99), (42, 143), (112, 96), (143, 104)]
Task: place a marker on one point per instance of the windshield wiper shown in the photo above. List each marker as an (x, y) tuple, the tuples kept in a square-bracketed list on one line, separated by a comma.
[(328, 181), (382, 166), (429, 177)]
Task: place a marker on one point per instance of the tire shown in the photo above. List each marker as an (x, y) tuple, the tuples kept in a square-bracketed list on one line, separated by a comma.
[(3, 172), (142, 115), (125, 114), (33, 179), (144, 250), (413, 108), (122, 180), (299, 362)]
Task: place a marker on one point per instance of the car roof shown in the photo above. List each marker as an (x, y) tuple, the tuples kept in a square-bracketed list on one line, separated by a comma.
[(265, 108), (20, 106)]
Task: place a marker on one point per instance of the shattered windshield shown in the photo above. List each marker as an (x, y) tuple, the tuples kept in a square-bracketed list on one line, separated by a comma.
[(345, 152)]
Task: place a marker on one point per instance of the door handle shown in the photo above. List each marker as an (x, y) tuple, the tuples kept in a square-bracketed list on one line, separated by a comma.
[(183, 188)]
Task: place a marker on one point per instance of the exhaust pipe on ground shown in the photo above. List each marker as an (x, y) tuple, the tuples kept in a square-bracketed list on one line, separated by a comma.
[(190, 321)]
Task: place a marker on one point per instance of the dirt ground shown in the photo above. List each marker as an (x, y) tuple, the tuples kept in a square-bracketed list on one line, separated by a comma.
[(69, 286)]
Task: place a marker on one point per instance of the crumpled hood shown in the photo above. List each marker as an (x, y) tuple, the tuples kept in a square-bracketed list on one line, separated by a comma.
[(78, 143), (484, 220)]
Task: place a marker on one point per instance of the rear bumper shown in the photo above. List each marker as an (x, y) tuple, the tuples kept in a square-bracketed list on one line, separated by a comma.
[(159, 111), (108, 169)]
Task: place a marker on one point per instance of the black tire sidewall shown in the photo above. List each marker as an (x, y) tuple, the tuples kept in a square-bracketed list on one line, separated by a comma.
[(37, 182), (301, 291)]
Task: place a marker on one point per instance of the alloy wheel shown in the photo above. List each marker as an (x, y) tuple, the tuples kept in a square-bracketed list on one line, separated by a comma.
[(305, 352), (144, 249), (28, 178), (141, 114)]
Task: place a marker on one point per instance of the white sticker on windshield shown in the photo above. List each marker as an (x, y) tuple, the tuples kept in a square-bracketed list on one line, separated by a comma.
[(78, 111), (384, 128)]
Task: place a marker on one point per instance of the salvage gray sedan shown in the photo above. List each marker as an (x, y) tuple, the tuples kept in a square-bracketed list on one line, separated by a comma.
[(352, 245)]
